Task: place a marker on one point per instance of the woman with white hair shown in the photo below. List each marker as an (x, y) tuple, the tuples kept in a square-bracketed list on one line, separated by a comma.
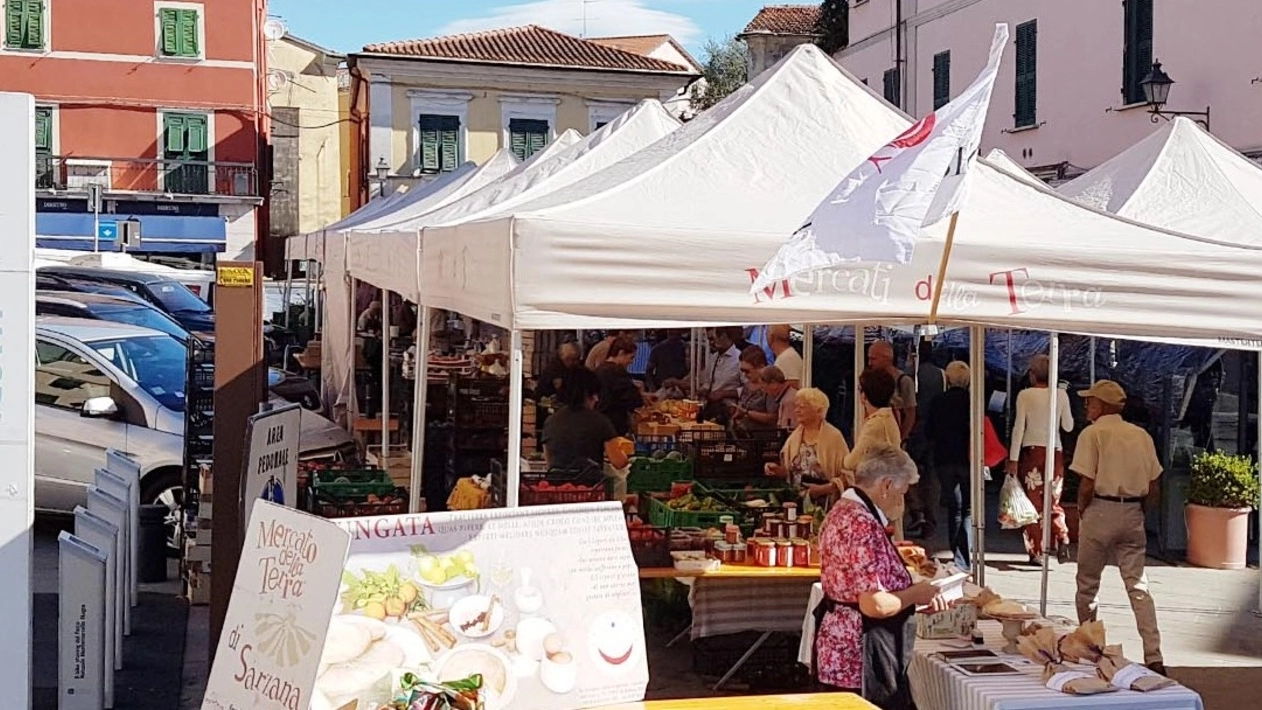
[(816, 450), (865, 625), (947, 426)]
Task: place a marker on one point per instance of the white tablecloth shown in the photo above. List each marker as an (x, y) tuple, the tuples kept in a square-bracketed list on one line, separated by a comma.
[(937, 686), (731, 606)]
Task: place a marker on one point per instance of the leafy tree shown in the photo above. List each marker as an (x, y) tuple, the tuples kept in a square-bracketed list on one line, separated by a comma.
[(724, 70), (834, 25)]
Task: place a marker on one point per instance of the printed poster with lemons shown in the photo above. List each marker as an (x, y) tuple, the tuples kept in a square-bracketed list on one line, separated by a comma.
[(540, 606)]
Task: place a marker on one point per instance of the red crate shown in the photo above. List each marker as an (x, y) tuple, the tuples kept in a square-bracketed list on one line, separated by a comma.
[(557, 496)]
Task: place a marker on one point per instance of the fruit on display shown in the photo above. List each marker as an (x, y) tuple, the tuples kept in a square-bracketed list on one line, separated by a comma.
[(545, 486), (379, 595), (639, 532), (438, 570)]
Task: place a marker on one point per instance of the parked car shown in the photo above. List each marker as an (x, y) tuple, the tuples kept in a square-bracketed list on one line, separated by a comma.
[(101, 385), (127, 309)]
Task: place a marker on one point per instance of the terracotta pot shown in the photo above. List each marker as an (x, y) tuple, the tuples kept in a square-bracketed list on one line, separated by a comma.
[(1071, 520), (1218, 538)]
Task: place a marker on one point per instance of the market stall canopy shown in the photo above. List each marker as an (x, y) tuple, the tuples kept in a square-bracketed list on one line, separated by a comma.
[(1001, 160), (390, 260), (375, 257), (1180, 178), (673, 235)]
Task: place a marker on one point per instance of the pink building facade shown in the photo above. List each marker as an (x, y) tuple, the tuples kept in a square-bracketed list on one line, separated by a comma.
[(1059, 106)]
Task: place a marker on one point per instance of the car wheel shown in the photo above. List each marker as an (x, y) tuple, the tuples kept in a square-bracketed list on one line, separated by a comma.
[(167, 489)]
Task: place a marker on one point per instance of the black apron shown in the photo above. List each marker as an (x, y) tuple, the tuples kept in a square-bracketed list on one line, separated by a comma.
[(887, 645)]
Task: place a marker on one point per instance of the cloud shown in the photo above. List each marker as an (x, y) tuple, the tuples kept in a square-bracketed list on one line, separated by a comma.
[(604, 18)]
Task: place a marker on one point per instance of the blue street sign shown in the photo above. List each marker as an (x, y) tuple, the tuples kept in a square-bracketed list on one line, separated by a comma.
[(107, 231)]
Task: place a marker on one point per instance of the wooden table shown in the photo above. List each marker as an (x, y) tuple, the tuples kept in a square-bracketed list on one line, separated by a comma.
[(822, 701), (717, 597)]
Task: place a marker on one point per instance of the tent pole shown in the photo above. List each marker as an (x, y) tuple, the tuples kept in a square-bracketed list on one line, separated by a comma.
[(515, 387), (1091, 364), (354, 328), (420, 396), (942, 267), (385, 376), (977, 487), (1258, 457), (694, 347), (1049, 460), (1008, 401), (308, 302), (289, 285), (808, 354), (858, 361)]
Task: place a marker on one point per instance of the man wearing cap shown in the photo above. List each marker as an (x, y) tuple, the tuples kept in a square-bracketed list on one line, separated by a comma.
[(1119, 469)]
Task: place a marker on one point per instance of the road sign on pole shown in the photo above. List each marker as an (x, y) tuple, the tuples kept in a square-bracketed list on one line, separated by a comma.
[(106, 232)]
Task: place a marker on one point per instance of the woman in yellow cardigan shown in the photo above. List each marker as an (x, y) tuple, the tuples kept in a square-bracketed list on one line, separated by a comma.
[(815, 449)]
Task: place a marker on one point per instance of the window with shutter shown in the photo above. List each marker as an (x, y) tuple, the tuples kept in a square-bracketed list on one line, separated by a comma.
[(1136, 48), (1027, 73), (43, 129), (892, 89), (24, 24), (439, 149), (186, 141), (941, 79), (526, 136), (181, 32)]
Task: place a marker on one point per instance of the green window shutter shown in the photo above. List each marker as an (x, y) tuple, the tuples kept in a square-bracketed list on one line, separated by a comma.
[(173, 128), (429, 148), (527, 135), (449, 143), (1026, 74), (892, 89), (198, 137), (168, 20), (941, 79), (187, 39), (13, 11), (43, 130), (33, 24)]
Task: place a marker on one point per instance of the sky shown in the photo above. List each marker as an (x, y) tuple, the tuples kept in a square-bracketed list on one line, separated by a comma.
[(333, 24)]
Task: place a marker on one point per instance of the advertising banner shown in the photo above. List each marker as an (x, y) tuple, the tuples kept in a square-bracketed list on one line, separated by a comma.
[(271, 466), (80, 625), (542, 604), (269, 653), (126, 468), (127, 490), (101, 534)]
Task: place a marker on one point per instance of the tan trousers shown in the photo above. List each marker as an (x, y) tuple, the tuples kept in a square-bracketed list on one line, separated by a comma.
[(1117, 529)]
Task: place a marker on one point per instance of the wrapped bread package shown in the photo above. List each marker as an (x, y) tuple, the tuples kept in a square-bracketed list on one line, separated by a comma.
[(1084, 644), (1073, 681), (992, 604), (1121, 673), (1041, 647)]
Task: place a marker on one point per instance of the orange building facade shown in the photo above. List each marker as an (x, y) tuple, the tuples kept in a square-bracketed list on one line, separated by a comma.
[(160, 104)]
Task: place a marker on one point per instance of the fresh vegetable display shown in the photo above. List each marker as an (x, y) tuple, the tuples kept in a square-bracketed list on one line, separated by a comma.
[(693, 503), (379, 595), (417, 694)]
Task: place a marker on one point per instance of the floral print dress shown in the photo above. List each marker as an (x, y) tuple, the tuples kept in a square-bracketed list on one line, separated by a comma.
[(856, 557)]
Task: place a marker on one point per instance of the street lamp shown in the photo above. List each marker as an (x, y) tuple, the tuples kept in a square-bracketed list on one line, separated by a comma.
[(1156, 88), (382, 172)]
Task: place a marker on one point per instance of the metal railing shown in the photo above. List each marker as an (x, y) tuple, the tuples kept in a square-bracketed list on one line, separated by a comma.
[(146, 175)]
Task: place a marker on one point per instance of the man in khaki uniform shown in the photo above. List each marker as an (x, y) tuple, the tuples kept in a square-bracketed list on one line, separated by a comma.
[(1119, 469)]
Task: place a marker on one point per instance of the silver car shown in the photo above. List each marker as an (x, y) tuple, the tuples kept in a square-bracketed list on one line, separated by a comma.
[(101, 385)]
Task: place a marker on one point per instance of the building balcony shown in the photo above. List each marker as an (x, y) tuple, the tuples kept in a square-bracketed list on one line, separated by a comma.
[(56, 173)]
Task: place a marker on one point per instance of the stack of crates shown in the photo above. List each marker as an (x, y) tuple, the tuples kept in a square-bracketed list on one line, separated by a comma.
[(199, 449)]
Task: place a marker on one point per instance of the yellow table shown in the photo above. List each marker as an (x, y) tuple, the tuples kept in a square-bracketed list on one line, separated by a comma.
[(822, 701)]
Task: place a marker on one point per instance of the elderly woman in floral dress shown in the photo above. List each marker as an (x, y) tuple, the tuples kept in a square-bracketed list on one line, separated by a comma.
[(865, 627)]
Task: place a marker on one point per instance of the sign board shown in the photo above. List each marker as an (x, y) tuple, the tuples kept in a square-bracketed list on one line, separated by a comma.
[(271, 462), (543, 602), (81, 625), (269, 653), (126, 468), (101, 534), (107, 506), (17, 396), (128, 491), (107, 231), (234, 276), (129, 234)]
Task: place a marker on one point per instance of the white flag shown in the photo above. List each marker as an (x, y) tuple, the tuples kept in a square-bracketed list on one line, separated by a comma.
[(917, 179)]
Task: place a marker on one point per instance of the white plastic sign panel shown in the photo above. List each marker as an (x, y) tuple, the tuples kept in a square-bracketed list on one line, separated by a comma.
[(17, 396), (543, 602), (101, 534), (108, 506), (273, 634), (125, 467), (123, 489), (81, 625), (271, 466)]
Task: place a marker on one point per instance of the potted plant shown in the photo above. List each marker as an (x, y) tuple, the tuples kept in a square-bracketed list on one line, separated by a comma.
[(1222, 491)]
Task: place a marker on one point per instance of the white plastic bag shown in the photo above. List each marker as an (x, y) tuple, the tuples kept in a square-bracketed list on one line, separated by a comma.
[(1015, 509)]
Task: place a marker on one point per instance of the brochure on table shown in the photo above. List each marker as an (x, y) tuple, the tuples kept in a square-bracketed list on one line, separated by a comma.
[(543, 603)]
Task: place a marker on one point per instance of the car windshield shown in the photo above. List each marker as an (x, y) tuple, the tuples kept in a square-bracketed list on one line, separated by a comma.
[(141, 315), (156, 363), (176, 298)]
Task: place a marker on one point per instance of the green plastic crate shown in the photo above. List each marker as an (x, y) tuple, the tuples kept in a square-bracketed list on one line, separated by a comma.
[(343, 484), (749, 489), (662, 516), (650, 475)]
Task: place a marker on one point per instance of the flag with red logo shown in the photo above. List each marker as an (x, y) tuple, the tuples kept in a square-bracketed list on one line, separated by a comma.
[(877, 212)]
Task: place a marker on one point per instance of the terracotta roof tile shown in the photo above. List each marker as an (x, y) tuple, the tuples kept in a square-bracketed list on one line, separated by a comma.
[(531, 44), (785, 20), (645, 45)]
